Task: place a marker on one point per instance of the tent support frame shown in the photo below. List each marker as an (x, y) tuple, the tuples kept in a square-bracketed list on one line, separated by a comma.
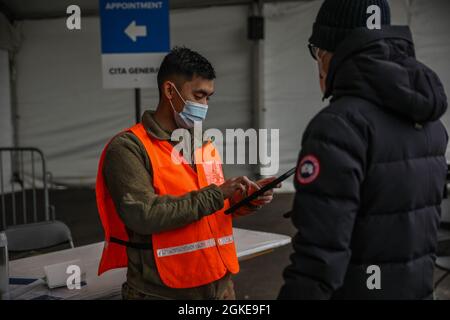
[(257, 78), (13, 93)]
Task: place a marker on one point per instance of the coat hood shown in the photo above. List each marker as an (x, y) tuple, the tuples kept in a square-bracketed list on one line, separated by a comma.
[(380, 66)]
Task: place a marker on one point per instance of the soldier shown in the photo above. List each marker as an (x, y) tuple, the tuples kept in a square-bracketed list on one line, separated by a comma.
[(164, 219)]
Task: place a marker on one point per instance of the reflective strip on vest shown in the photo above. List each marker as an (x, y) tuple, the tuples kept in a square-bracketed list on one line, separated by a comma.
[(194, 246), (225, 240)]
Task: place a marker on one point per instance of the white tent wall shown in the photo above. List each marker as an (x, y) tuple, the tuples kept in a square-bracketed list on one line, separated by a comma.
[(292, 94), (64, 110), (6, 130), (6, 126), (430, 25)]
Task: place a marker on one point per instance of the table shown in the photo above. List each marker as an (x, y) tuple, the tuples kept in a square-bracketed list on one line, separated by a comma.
[(108, 286)]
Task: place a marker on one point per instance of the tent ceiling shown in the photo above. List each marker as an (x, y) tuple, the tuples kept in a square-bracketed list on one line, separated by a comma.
[(33, 9)]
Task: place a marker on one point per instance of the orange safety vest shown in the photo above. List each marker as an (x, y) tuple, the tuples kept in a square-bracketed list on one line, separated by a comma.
[(186, 257)]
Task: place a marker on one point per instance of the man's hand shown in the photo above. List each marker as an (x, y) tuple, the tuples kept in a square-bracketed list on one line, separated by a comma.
[(267, 196), (239, 185), (256, 204)]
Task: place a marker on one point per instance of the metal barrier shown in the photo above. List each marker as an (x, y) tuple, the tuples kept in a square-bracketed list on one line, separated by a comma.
[(28, 178)]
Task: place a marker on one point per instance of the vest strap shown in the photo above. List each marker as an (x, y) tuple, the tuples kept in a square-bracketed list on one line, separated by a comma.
[(134, 245)]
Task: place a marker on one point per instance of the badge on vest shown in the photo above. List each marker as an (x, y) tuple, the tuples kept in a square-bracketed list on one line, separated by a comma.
[(308, 169), (213, 172)]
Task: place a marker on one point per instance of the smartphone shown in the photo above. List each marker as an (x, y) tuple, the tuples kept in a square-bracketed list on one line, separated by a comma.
[(260, 192)]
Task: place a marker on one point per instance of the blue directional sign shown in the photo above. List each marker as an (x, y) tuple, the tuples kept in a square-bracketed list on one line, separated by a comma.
[(135, 39), (131, 26)]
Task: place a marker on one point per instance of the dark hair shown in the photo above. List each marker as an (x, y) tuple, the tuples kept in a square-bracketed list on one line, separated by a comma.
[(184, 62)]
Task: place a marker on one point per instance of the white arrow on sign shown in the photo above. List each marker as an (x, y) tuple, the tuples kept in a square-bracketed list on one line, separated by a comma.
[(134, 31)]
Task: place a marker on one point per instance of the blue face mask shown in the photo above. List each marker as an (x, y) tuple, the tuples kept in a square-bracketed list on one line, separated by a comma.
[(192, 111)]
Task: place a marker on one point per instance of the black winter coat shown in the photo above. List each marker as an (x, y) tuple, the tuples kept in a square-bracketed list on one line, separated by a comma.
[(370, 176)]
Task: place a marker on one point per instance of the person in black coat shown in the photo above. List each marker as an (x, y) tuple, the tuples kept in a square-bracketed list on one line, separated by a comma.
[(372, 168)]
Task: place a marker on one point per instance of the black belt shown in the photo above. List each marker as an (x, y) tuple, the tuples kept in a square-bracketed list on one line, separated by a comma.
[(134, 245)]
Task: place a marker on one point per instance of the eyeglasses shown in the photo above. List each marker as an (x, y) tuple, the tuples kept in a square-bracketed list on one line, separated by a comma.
[(313, 50)]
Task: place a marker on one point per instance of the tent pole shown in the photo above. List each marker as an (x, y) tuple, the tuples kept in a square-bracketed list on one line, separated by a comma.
[(13, 92), (257, 78), (14, 113), (137, 104)]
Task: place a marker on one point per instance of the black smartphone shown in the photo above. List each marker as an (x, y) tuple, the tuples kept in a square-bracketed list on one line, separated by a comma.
[(261, 191)]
